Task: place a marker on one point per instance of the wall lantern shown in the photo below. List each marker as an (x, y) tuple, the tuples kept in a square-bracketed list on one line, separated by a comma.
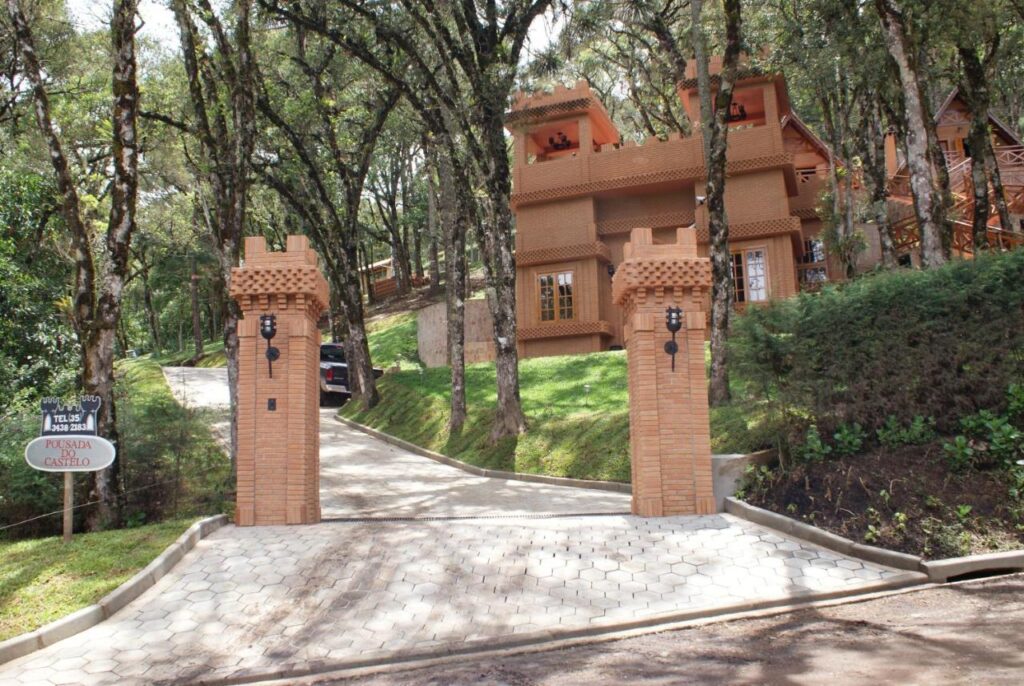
[(268, 329), (611, 269), (673, 322)]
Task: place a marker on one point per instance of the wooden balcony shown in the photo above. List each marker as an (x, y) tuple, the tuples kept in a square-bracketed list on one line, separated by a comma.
[(619, 167)]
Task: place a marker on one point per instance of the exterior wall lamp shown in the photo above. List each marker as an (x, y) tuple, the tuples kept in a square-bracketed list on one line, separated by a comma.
[(673, 322), (268, 329)]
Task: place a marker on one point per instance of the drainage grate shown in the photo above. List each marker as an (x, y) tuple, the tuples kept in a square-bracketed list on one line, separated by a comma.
[(449, 518)]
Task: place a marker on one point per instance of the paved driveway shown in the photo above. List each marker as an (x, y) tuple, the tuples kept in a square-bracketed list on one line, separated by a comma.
[(535, 560)]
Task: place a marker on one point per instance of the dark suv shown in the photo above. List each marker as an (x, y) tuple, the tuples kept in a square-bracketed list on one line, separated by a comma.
[(334, 372)]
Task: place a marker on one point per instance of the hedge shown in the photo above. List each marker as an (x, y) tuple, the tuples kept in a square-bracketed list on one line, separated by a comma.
[(941, 343)]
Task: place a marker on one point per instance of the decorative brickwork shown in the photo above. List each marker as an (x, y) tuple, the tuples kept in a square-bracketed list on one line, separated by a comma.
[(278, 415), (559, 329), (630, 180), (548, 111), (564, 253), (613, 226), (669, 430)]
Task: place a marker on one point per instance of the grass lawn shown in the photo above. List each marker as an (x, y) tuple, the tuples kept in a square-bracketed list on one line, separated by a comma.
[(42, 579), (574, 430), (213, 355)]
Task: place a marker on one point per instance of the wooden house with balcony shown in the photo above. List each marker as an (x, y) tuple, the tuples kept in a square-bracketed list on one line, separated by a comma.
[(952, 124), (578, 190)]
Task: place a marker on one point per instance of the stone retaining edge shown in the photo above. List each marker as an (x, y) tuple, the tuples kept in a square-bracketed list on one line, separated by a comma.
[(938, 571), (612, 486), (90, 616), (575, 636), (812, 534), (941, 570)]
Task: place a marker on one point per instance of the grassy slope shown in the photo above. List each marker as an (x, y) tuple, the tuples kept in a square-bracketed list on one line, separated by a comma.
[(42, 579), (572, 433), (213, 356)]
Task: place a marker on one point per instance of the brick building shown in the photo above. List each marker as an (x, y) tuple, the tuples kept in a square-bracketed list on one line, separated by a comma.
[(578, 190)]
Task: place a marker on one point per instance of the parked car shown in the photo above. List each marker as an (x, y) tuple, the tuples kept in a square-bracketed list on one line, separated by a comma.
[(334, 372)]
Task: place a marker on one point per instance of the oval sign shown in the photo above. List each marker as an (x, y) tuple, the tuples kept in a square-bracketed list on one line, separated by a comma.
[(69, 453)]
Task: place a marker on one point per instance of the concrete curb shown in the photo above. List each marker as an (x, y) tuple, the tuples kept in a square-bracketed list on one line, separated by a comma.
[(942, 570), (812, 534), (543, 640), (92, 615), (938, 571), (612, 486)]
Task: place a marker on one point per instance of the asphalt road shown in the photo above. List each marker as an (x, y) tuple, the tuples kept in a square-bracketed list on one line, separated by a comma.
[(967, 633)]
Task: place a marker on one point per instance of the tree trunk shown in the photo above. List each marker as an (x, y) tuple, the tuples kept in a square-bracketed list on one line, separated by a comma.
[(96, 316), (500, 268), (152, 320), (976, 139), (985, 168), (718, 225), (874, 169), (197, 324), (454, 230), (930, 196), (435, 260)]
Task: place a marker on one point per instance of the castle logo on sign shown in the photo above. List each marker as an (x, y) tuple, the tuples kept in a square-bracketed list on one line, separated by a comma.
[(75, 419)]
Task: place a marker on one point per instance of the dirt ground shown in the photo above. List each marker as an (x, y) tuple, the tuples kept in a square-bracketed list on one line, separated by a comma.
[(903, 499), (967, 633)]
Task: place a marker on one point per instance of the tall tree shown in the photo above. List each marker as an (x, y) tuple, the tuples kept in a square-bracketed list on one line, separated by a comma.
[(463, 61), (928, 180), (221, 88), (98, 292), (330, 118)]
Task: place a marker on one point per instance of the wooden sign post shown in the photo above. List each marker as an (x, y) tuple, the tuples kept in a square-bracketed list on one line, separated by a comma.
[(69, 444)]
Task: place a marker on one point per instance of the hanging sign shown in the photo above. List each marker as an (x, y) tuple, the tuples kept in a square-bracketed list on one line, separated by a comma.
[(76, 419), (69, 453), (69, 442)]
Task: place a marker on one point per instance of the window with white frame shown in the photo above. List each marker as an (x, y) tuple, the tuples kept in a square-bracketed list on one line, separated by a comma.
[(750, 275)]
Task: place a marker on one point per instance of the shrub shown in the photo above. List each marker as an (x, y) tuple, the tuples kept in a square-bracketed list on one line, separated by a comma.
[(892, 434), (849, 439), (814, 449), (941, 343), (960, 453)]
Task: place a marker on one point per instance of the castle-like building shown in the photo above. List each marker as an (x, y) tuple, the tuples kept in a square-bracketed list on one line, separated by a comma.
[(578, 189)]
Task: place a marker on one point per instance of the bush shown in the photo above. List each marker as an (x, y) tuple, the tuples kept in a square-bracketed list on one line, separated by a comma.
[(888, 348), (892, 434)]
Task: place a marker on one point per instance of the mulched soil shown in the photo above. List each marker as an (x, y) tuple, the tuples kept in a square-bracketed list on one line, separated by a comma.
[(903, 499)]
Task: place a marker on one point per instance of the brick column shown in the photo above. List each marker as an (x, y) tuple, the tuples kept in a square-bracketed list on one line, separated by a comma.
[(669, 431), (278, 416)]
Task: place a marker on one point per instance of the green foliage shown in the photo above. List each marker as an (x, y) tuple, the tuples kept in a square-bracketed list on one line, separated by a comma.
[(892, 434), (814, 449), (393, 341), (572, 432), (849, 439), (995, 441), (941, 343), (960, 453), (38, 350)]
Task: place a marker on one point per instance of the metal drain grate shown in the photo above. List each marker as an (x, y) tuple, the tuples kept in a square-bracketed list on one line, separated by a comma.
[(448, 518)]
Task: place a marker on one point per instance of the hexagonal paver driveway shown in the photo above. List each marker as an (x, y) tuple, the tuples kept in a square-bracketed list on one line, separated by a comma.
[(258, 600)]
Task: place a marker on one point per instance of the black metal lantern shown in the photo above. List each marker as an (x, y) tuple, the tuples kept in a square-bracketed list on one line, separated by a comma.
[(673, 322), (268, 329)]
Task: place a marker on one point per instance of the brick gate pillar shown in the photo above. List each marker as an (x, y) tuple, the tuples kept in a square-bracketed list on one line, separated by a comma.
[(278, 409), (669, 430)]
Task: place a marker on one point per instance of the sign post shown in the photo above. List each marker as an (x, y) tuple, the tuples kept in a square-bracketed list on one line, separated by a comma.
[(69, 505), (68, 443)]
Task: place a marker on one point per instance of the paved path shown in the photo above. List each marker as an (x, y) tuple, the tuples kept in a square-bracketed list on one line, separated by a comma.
[(251, 600), (963, 634)]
